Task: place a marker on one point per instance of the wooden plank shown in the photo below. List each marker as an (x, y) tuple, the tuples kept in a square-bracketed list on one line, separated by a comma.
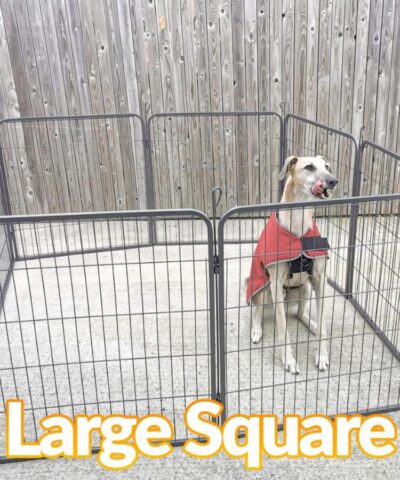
[(84, 155), (60, 67), (134, 188), (275, 83), (394, 90), (110, 135), (336, 66), (325, 35), (27, 82), (360, 69), (251, 160), (135, 95), (288, 54), (147, 16), (214, 55), (384, 71), (100, 151), (346, 155), (9, 107), (180, 155), (163, 27), (201, 26), (371, 88), (153, 64), (39, 142), (138, 89), (239, 88), (216, 93), (268, 69), (191, 161), (228, 102), (68, 194), (348, 71), (132, 14), (336, 63), (18, 181), (288, 69), (299, 70), (96, 164), (387, 170), (311, 74)]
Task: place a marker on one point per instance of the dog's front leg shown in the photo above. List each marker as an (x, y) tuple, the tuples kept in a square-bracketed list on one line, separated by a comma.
[(283, 338), (305, 293), (322, 358), (256, 331)]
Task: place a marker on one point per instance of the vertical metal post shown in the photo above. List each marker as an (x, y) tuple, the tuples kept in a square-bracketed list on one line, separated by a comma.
[(283, 134), (213, 289), (5, 200), (353, 221), (221, 320), (283, 144), (150, 197), (216, 198)]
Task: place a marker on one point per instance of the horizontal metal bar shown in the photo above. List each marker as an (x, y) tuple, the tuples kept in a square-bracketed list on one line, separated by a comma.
[(314, 203), (214, 114), (28, 258), (112, 215), (128, 247), (321, 125), (70, 117), (367, 143)]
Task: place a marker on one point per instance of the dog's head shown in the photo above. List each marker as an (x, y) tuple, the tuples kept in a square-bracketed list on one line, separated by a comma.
[(311, 176)]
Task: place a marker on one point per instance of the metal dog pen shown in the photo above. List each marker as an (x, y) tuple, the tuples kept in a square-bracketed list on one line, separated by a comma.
[(133, 303)]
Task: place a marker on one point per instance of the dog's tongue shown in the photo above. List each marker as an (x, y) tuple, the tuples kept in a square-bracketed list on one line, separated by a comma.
[(317, 188)]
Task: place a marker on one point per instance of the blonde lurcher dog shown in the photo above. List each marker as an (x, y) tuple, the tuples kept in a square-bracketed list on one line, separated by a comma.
[(307, 178)]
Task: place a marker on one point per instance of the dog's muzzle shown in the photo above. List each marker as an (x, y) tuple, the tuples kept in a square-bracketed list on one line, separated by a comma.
[(321, 187)]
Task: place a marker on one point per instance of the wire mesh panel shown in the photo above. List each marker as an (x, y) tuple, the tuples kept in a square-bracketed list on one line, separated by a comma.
[(6, 251), (308, 138), (74, 164), (364, 371), (379, 170), (194, 152), (376, 270), (49, 239), (126, 331)]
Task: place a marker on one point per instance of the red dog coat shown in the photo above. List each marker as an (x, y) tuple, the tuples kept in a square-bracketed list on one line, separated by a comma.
[(277, 244)]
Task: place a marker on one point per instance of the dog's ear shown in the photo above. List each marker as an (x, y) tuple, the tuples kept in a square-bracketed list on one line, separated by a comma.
[(289, 162)]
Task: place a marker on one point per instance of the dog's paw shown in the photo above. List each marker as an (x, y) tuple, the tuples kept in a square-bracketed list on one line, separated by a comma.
[(256, 333), (290, 362), (322, 360)]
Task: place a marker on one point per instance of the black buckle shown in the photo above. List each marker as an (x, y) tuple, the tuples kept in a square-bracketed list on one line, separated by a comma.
[(315, 243)]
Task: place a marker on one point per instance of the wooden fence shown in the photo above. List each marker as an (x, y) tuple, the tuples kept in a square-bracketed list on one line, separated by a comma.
[(333, 61)]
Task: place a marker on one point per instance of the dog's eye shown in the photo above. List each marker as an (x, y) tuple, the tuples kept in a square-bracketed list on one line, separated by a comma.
[(328, 167), (310, 168)]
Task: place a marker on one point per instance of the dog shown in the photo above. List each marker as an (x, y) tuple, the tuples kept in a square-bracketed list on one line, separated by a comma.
[(307, 178)]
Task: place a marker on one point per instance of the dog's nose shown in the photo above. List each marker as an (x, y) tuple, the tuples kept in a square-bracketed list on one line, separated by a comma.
[(331, 182)]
